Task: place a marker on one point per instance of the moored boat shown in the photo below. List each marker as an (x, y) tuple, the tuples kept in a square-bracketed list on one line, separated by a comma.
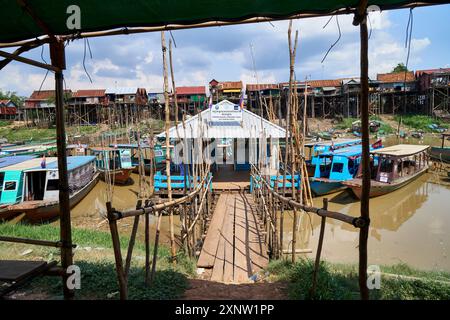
[(36, 192), (113, 164), (392, 168), (335, 167), (441, 153)]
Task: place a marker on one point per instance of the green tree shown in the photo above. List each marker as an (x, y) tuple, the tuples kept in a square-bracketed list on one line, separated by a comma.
[(400, 68), (10, 95)]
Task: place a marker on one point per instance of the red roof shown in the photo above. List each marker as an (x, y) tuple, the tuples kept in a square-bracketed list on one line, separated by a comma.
[(191, 90), (395, 77), (257, 87), (431, 71), (89, 93), (230, 85), (44, 94), (5, 102)]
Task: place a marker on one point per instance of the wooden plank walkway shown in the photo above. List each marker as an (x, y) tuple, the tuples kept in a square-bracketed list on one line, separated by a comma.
[(234, 247)]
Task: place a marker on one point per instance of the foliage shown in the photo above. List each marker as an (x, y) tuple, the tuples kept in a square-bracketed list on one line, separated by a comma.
[(419, 122), (10, 95), (99, 280), (400, 68), (340, 281)]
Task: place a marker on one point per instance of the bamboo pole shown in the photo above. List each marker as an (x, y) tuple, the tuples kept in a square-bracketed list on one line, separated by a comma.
[(167, 127)]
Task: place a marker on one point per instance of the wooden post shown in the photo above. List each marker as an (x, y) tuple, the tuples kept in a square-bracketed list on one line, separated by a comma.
[(319, 250), (364, 232), (123, 287), (167, 127), (57, 54)]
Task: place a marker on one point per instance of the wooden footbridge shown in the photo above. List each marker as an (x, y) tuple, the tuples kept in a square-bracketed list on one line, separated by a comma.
[(234, 248)]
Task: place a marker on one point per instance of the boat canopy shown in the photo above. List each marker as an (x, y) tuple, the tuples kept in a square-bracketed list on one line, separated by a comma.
[(73, 162), (29, 164), (17, 24), (401, 150), (12, 160)]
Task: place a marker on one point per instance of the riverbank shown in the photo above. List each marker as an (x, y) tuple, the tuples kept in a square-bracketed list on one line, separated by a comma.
[(94, 256)]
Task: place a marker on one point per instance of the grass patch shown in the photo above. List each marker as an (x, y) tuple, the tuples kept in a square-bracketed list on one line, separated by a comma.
[(97, 266), (346, 124), (339, 281), (420, 122), (4, 123), (27, 134)]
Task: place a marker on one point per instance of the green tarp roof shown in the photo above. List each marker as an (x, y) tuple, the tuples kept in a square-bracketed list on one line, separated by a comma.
[(96, 15)]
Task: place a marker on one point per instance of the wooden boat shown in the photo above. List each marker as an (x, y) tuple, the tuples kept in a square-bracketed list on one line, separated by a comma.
[(37, 191), (159, 156), (392, 168), (8, 182), (335, 167), (441, 153), (33, 150), (113, 164)]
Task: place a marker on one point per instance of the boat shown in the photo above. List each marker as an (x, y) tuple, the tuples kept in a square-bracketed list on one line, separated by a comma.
[(318, 147), (335, 167), (417, 134), (78, 149), (34, 186), (33, 150), (159, 156), (441, 153), (392, 168), (114, 164), (8, 181)]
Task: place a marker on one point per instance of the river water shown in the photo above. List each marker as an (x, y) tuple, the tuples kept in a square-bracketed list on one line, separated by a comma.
[(410, 225)]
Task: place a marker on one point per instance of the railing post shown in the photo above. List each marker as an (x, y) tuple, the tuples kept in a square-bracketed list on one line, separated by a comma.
[(319, 251)]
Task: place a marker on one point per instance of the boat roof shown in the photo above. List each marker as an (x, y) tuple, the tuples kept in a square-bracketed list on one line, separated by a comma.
[(129, 145), (401, 150), (73, 162), (345, 152), (74, 146), (12, 160), (329, 142), (29, 164), (99, 149)]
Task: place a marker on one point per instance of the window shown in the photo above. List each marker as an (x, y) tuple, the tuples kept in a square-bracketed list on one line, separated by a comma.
[(10, 186), (338, 167), (53, 185)]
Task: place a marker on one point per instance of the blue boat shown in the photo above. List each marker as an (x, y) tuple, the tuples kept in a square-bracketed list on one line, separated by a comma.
[(114, 164), (318, 148), (32, 186), (335, 167)]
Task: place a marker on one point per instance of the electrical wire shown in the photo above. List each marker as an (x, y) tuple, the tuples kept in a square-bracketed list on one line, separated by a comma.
[(339, 38)]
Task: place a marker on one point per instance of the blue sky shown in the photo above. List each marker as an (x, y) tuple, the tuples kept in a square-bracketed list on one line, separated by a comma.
[(224, 53)]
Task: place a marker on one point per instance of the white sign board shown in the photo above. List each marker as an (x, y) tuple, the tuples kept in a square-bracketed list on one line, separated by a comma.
[(225, 113)]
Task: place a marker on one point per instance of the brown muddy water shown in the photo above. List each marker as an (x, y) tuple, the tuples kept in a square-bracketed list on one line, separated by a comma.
[(410, 225)]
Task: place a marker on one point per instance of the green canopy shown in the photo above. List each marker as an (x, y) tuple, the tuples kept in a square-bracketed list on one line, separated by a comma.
[(17, 23)]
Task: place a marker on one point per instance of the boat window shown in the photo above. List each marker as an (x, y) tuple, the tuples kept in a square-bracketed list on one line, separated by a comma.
[(2, 176), (338, 167), (10, 186), (53, 185)]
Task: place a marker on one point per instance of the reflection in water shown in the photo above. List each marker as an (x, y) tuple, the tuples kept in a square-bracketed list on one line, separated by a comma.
[(409, 225)]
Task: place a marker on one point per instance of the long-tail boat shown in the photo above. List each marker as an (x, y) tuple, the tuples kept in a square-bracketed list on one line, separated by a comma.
[(441, 153), (335, 167), (114, 164), (34, 186), (392, 168)]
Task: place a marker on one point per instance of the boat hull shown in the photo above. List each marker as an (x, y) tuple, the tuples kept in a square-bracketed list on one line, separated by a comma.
[(37, 211), (441, 154), (322, 187), (119, 176), (380, 189)]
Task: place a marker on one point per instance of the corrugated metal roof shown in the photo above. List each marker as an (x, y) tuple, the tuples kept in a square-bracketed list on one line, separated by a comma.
[(226, 85), (89, 93), (122, 90), (191, 90), (263, 86), (432, 71), (199, 126), (395, 77)]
